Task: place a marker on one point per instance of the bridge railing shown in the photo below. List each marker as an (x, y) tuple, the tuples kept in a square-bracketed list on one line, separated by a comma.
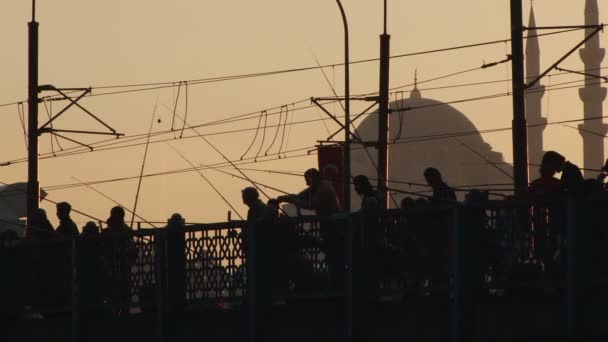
[(496, 247)]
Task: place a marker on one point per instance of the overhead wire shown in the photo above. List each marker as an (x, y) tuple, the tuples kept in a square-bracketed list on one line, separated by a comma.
[(219, 193), (168, 84), (77, 152)]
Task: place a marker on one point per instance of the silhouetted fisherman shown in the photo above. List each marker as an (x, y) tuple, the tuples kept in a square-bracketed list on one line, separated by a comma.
[(320, 196), (120, 253), (442, 193)]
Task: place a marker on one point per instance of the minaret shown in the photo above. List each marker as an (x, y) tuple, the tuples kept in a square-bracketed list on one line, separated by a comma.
[(534, 97), (592, 95), (415, 94)]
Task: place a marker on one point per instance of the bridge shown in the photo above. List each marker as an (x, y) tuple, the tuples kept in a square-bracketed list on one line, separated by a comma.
[(466, 270)]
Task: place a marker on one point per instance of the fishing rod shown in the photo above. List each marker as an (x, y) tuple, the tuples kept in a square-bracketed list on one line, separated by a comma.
[(206, 179), (228, 160), (143, 165), (115, 202)]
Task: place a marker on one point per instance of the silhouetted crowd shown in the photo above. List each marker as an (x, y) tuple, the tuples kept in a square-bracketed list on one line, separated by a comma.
[(415, 246)]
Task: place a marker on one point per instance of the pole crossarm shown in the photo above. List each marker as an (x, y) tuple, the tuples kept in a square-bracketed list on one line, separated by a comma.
[(72, 140), (353, 120), (73, 102), (364, 98), (582, 73), (597, 29), (316, 102), (601, 26), (53, 130)]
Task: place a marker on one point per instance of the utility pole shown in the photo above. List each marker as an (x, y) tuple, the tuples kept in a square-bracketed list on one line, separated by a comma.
[(383, 119), (33, 186), (520, 138)]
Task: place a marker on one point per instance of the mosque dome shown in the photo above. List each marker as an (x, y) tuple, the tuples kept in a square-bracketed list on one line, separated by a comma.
[(429, 133)]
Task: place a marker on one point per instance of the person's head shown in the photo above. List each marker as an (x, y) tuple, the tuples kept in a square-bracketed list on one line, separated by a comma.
[(552, 163), (90, 228), (250, 196), (432, 176), (40, 216), (362, 185), (63, 210), (176, 220), (117, 215), (312, 177)]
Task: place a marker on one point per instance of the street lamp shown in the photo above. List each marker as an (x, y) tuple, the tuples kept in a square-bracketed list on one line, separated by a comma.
[(346, 114)]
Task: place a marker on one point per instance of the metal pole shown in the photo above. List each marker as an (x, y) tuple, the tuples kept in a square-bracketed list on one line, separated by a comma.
[(383, 120), (346, 113), (33, 192), (520, 138)]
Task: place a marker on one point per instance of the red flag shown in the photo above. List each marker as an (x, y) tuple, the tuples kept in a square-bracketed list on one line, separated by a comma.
[(331, 168)]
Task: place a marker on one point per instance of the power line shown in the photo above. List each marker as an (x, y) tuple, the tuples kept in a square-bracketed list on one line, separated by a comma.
[(78, 151), (171, 84)]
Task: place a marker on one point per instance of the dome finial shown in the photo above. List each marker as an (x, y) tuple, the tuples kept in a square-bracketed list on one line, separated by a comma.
[(415, 94)]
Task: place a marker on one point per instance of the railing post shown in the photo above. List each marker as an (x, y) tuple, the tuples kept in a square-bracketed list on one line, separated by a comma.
[(456, 293), (251, 282), (176, 272), (74, 293), (349, 268), (161, 283), (581, 219)]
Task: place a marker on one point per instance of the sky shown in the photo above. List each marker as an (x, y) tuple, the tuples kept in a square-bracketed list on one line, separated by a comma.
[(114, 43)]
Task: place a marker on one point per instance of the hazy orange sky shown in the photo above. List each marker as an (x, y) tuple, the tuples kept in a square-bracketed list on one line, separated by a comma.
[(107, 43)]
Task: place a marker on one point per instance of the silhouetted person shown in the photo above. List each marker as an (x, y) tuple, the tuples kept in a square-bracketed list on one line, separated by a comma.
[(320, 196), (439, 225), (120, 253), (89, 272), (547, 185), (369, 261), (90, 229), (572, 178), (176, 269), (370, 205), (603, 173), (369, 215), (40, 228), (66, 231), (66, 228), (258, 211), (442, 193), (41, 276), (547, 218), (260, 218)]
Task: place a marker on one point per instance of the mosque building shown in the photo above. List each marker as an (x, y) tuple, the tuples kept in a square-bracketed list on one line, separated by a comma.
[(467, 161)]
